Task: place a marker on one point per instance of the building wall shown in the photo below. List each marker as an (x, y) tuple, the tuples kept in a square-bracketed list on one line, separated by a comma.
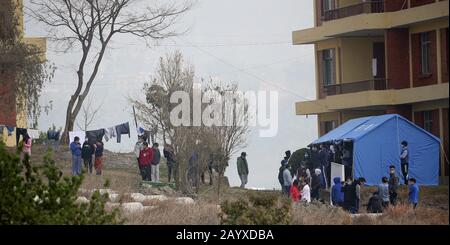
[(349, 115), (360, 49), (402, 110), (444, 54), (416, 3), (444, 140), (418, 78), (395, 5), (397, 58)]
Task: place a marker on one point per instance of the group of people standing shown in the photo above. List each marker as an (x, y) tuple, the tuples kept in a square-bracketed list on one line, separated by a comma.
[(87, 152), (149, 158)]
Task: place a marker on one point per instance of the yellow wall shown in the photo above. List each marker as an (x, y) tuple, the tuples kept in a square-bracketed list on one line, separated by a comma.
[(356, 59)]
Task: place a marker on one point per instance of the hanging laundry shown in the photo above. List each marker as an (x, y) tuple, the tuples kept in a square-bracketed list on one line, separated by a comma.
[(123, 128), (106, 135), (110, 133), (20, 132), (10, 130), (53, 135), (33, 133), (79, 134), (95, 135)]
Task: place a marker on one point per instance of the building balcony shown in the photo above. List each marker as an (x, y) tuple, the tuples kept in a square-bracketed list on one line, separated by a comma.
[(373, 99), (360, 20), (354, 87), (355, 9)]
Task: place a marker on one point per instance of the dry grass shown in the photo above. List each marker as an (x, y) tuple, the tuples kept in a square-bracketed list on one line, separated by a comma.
[(170, 213), (432, 209)]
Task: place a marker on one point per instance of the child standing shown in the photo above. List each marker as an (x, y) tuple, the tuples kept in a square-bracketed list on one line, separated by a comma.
[(413, 192)]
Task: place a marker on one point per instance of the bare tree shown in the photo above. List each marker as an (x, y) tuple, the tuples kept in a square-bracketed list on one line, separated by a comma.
[(215, 143), (91, 24), (88, 114)]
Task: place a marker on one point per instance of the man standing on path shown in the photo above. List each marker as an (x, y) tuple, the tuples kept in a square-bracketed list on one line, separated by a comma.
[(145, 160), (75, 148), (155, 163), (138, 148), (287, 179), (242, 167)]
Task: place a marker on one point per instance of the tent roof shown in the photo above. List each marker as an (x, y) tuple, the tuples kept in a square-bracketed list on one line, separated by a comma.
[(357, 128)]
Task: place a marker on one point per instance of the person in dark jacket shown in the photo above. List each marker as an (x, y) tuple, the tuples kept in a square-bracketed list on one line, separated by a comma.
[(86, 153), (350, 196), (375, 204), (280, 174), (98, 157), (170, 159), (315, 184), (155, 163), (324, 163), (337, 196), (393, 185)]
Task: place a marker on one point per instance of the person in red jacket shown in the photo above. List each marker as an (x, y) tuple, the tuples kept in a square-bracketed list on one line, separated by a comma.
[(145, 161), (294, 193)]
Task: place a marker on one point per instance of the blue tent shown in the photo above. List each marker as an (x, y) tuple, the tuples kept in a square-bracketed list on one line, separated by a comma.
[(377, 145)]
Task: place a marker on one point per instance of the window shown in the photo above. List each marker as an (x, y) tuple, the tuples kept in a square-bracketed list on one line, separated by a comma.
[(427, 121), (425, 53), (327, 5), (328, 67), (329, 125)]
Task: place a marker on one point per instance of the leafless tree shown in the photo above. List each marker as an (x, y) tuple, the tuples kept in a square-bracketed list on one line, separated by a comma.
[(91, 24), (89, 111), (213, 144)]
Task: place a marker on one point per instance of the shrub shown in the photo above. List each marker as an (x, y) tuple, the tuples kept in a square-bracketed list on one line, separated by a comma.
[(41, 195), (259, 209)]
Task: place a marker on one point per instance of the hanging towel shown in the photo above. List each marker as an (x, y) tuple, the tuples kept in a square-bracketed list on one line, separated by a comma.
[(53, 135), (20, 132), (123, 128), (33, 133), (110, 133), (10, 130), (106, 134), (73, 134), (95, 135)]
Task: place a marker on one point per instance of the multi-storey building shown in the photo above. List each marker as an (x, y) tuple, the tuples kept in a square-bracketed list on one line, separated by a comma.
[(378, 57)]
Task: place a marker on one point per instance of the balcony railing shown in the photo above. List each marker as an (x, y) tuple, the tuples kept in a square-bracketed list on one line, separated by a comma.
[(360, 8), (346, 88)]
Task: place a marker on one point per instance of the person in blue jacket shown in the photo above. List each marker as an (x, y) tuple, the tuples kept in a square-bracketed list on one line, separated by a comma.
[(337, 196), (413, 195), (75, 148)]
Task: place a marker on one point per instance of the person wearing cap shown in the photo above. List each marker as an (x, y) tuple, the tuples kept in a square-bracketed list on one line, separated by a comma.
[(242, 167), (316, 184)]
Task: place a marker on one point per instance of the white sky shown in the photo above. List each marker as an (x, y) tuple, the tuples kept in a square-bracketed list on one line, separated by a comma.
[(267, 23)]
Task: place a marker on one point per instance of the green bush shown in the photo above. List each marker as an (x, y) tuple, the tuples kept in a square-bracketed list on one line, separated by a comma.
[(259, 209), (40, 195)]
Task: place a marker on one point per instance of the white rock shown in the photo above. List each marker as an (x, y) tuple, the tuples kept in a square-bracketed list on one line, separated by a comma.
[(114, 197), (132, 207), (184, 200), (156, 197), (147, 208), (110, 205), (82, 200), (139, 197)]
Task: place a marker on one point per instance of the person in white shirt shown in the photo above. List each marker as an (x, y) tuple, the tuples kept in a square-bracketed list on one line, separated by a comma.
[(306, 192)]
